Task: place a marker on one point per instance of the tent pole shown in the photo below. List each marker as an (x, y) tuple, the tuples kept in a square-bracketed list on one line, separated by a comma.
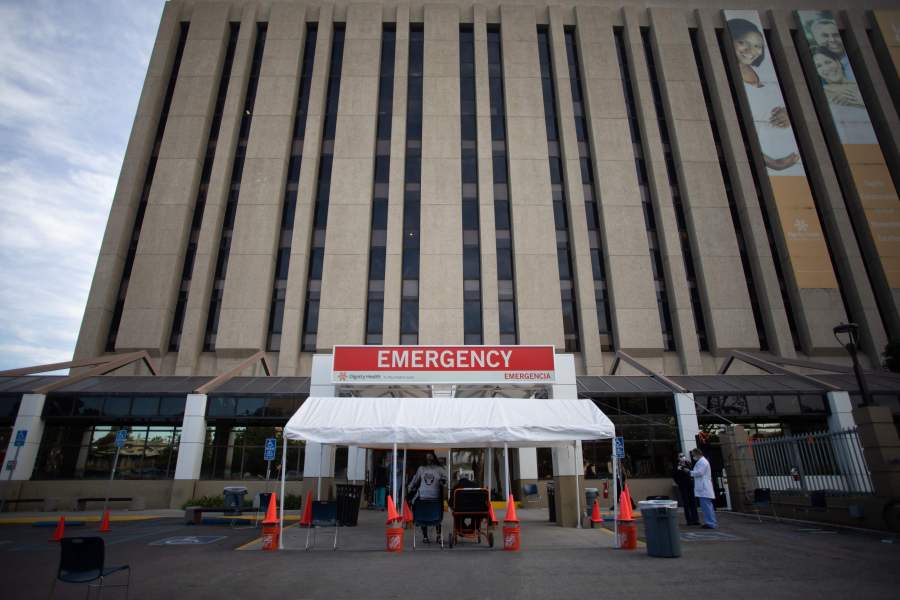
[(577, 486), (281, 498), (449, 472), (506, 470), (489, 467), (615, 493), (321, 468), (403, 479), (394, 475)]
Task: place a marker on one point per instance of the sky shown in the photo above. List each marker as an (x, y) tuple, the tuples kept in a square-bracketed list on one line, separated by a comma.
[(70, 78)]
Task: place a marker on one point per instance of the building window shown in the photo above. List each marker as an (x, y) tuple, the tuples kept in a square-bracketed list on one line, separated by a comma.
[(559, 199), (87, 451), (471, 231), (187, 269), (237, 171), (506, 289), (591, 194), (234, 451), (289, 204), (659, 278), (651, 437), (378, 238), (323, 191), (676, 188), (412, 189), (145, 194)]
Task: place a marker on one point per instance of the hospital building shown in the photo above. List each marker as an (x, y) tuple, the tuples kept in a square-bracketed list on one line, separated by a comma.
[(683, 198)]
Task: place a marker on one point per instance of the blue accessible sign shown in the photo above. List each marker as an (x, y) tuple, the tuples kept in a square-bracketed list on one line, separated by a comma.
[(121, 436), (270, 449), (20, 437), (619, 447)]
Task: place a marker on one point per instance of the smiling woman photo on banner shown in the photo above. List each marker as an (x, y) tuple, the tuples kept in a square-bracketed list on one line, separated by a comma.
[(770, 116)]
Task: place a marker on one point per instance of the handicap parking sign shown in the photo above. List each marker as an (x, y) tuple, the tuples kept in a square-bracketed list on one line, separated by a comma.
[(270, 449), (20, 437), (121, 436), (619, 447)]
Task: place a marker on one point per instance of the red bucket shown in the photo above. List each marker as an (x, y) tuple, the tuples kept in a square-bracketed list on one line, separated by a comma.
[(511, 537), (270, 536), (627, 536), (395, 539)]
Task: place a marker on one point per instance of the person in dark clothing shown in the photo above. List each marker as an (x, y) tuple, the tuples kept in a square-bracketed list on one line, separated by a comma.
[(464, 481), (681, 473)]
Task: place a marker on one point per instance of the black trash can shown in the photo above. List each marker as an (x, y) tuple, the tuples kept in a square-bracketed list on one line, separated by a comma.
[(551, 500), (234, 499), (348, 497), (661, 527)]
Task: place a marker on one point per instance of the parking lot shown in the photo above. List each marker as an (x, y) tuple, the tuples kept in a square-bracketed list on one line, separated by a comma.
[(742, 559)]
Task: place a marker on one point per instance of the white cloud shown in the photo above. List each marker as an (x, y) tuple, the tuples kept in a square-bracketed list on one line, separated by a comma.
[(70, 77)]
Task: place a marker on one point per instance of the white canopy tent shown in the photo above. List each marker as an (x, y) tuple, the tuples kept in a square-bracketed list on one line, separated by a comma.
[(445, 423)]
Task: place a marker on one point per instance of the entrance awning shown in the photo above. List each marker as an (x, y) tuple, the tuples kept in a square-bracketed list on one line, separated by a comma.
[(447, 422)]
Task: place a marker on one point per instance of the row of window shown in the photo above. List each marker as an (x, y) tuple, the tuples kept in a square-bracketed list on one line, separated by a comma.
[(234, 190), (145, 194), (187, 270), (291, 184)]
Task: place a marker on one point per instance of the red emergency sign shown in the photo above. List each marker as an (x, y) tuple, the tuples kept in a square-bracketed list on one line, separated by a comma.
[(443, 364)]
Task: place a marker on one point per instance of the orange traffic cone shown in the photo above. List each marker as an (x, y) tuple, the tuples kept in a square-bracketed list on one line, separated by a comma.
[(628, 494), (491, 512), (272, 512), (596, 517), (306, 519), (104, 522), (625, 507), (60, 530), (407, 513), (511, 511), (392, 511)]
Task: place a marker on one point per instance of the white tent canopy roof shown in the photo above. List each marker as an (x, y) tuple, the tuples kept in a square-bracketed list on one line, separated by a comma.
[(447, 422)]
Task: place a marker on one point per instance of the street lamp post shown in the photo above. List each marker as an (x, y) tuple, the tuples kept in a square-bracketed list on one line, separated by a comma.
[(850, 333)]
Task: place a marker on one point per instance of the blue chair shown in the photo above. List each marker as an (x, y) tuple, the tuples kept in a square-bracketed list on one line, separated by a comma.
[(82, 560), (428, 513), (324, 514)]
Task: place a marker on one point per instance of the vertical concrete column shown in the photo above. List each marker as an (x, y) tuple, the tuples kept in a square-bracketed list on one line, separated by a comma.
[(826, 310), (194, 328), (740, 467), (190, 450), (686, 416), (156, 272), (717, 261), (490, 316), (840, 411), (356, 463), (289, 362), (568, 463), (101, 299), (635, 317), (666, 224), (244, 316), (881, 446), (345, 272), (586, 301), (318, 459), (539, 308), (29, 419), (394, 250), (756, 241), (440, 241)]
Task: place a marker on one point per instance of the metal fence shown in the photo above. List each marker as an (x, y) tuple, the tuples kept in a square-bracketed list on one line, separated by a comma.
[(829, 462)]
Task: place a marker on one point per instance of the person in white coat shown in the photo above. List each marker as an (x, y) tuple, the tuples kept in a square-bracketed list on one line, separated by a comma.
[(703, 488)]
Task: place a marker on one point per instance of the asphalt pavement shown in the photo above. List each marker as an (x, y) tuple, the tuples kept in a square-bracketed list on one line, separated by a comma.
[(742, 559)]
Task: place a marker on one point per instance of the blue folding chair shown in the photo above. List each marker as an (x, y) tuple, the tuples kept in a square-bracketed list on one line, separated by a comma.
[(324, 514), (428, 513)]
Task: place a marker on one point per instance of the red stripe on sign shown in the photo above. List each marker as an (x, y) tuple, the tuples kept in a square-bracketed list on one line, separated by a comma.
[(443, 358)]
